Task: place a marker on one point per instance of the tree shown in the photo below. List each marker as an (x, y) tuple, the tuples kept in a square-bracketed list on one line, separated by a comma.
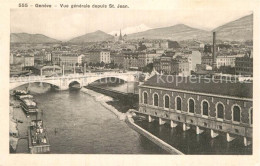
[(120, 66), (148, 68), (102, 64)]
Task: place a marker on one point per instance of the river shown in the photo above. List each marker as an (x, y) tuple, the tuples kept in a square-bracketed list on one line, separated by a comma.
[(84, 126)]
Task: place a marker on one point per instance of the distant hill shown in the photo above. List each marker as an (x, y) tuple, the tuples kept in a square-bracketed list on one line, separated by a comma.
[(238, 30), (31, 38), (177, 32), (92, 37)]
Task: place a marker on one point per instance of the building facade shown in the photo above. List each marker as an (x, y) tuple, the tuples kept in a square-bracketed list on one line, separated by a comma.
[(218, 107), (28, 60), (244, 66)]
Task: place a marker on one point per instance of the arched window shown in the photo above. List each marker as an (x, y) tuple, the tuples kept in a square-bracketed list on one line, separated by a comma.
[(145, 97), (251, 116), (155, 100), (205, 108), (178, 103), (236, 114), (191, 106), (166, 101), (220, 111)]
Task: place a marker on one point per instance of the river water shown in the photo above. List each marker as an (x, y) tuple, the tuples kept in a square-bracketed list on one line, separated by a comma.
[(84, 126)]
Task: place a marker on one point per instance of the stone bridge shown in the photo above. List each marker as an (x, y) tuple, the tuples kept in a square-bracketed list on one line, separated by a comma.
[(63, 82)]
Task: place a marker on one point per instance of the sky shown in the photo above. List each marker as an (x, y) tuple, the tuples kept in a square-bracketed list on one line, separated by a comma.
[(65, 24)]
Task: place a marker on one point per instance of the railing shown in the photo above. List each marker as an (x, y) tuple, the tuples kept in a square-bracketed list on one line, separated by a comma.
[(40, 78)]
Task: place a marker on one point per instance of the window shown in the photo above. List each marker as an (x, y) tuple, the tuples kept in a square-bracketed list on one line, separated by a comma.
[(155, 100), (220, 111), (166, 101), (191, 105), (236, 114), (205, 108), (251, 116), (178, 103), (145, 97)]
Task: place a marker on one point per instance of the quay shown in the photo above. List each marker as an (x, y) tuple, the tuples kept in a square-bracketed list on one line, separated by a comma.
[(130, 121)]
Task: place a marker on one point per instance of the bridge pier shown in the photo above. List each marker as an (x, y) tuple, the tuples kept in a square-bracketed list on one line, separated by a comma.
[(185, 127), (161, 122), (198, 130), (247, 142), (150, 119), (213, 134), (173, 124), (229, 138)]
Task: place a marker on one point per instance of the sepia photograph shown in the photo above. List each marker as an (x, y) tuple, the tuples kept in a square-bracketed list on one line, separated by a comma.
[(106, 81)]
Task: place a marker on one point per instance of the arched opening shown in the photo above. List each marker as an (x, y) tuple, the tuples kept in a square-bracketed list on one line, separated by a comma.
[(178, 103), (220, 111), (236, 114), (251, 116), (110, 81), (191, 106), (155, 99), (145, 98), (35, 87), (74, 85), (166, 101), (205, 108)]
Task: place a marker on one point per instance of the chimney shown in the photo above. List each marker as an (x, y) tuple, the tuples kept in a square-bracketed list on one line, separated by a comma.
[(214, 50)]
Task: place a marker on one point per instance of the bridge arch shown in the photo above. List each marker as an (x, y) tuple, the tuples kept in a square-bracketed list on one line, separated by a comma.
[(73, 82), (95, 79), (18, 84)]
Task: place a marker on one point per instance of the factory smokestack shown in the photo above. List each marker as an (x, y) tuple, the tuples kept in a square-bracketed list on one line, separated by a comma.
[(214, 50)]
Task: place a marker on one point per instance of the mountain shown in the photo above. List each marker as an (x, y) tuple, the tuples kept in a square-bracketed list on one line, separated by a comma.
[(238, 30), (92, 37), (31, 38), (130, 30), (177, 32)]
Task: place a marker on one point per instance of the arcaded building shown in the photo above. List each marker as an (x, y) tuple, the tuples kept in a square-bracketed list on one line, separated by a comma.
[(215, 105)]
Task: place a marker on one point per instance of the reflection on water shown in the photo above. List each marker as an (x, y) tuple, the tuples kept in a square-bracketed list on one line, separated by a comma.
[(189, 142)]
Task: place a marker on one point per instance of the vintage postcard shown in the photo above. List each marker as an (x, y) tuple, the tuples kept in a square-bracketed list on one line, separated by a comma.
[(129, 82)]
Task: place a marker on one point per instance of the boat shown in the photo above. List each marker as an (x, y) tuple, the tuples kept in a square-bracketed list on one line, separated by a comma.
[(29, 106), (38, 138), (18, 93), (25, 97)]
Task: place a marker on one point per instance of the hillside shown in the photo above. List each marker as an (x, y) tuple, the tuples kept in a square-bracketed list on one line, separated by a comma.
[(31, 38), (92, 37), (238, 30), (177, 32)]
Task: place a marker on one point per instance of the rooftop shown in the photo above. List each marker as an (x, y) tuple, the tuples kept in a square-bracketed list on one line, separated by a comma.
[(217, 87)]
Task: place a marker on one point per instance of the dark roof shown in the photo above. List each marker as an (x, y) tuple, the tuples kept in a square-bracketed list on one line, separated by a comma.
[(225, 88)]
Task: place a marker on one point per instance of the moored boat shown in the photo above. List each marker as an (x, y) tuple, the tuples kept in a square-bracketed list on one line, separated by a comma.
[(29, 106), (38, 138)]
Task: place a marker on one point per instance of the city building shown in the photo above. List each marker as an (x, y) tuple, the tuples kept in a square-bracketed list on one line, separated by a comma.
[(207, 60), (207, 105), (227, 60), (98, 56), (28, 60), (180, 66), (194, 58), (244, 65), (71, 59)]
